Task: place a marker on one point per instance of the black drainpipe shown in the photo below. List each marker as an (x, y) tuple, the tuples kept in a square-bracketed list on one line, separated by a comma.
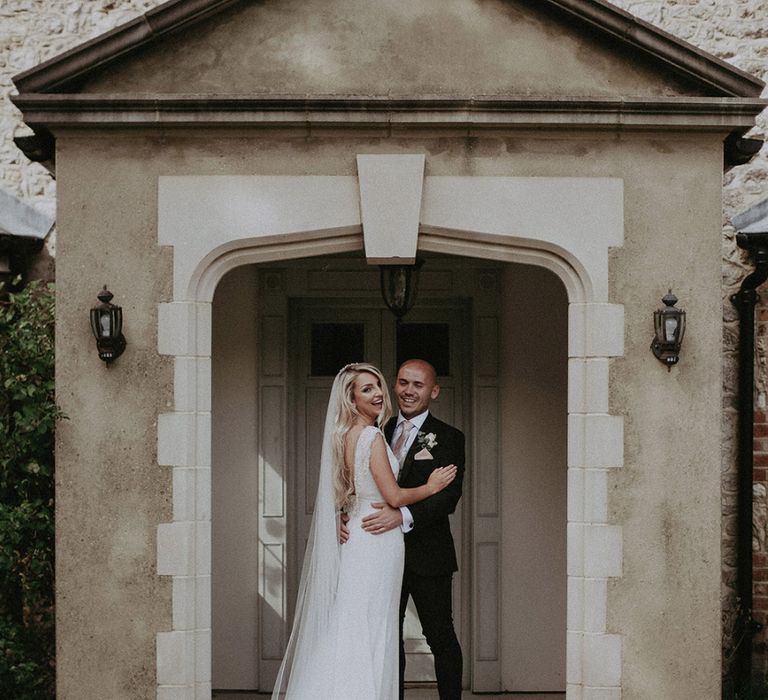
[(745, 300)]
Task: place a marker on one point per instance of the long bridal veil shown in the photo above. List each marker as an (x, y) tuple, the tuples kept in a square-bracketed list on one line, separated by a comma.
[(308, 666)]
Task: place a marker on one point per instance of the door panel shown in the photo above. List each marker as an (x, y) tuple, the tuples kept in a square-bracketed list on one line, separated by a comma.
[(324, 340)]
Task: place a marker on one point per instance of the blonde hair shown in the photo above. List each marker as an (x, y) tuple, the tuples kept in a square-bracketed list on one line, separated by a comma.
[(344, 419)]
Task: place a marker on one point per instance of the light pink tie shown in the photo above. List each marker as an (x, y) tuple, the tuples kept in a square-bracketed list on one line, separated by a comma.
[(401, 445)]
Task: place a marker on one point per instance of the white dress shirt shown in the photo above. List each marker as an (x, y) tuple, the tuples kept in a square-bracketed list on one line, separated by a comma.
[(417, 422)]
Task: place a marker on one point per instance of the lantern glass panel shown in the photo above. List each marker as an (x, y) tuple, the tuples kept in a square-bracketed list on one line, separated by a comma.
[(117, 320), (671, 323), (105, 323)]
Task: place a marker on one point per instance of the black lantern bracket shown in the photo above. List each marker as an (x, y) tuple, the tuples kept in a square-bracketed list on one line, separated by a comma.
[(107, 327), (669, 326), (399, 287)]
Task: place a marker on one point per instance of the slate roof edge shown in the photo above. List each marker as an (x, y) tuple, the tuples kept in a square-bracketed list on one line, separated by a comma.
[(753, 220), (19, 219)]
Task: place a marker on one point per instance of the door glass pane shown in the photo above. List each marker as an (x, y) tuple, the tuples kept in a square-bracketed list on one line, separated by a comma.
[(335, 345), (425, 341)]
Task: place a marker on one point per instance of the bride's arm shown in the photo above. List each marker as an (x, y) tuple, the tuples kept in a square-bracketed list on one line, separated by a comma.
[(385, 479)]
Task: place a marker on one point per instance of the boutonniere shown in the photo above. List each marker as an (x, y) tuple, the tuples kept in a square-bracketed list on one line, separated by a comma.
[(426, 440)]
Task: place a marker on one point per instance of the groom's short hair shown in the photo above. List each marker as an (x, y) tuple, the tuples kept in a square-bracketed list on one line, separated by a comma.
[(427, 365)]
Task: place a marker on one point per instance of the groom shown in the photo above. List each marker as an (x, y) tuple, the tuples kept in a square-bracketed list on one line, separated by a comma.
[(422, 443)]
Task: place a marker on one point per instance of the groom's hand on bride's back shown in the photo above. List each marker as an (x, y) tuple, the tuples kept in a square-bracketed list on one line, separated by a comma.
[(383, 520), (343, 528)]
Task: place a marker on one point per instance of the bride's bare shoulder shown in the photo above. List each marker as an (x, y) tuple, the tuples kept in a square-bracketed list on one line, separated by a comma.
[(353, 434), (351, 438)]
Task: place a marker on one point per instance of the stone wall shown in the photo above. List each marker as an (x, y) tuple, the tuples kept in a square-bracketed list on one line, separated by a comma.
[(32, 31)]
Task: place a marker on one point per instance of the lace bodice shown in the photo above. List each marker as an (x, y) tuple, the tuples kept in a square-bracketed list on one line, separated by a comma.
[(365, 485)]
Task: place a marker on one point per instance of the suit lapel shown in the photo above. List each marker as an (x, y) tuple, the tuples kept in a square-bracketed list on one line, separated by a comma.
[(389, 428)]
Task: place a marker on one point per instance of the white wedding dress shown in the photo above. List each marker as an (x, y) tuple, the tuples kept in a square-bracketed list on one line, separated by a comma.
[(357, 659)]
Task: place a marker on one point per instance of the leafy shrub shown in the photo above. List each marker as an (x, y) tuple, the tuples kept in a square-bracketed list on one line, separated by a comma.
[(28, 415)]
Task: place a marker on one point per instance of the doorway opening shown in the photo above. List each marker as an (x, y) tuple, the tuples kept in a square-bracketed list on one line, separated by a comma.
[(497, 333)]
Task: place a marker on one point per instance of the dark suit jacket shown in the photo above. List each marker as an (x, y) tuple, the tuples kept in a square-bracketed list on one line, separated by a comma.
[(429, 548)]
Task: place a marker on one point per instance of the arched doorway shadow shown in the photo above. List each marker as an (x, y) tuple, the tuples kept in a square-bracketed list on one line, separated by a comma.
[(504, 384)]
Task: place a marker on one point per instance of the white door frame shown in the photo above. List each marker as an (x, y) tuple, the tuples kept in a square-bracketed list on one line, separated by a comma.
[(217, 223)]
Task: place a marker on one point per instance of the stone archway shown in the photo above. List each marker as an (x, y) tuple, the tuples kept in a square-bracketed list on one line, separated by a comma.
[(217, 223)]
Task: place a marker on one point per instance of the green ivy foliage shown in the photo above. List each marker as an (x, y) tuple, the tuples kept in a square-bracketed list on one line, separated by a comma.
[(28, 415)]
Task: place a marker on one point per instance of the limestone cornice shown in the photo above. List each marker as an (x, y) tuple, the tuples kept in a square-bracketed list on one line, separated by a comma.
[(52, 112)]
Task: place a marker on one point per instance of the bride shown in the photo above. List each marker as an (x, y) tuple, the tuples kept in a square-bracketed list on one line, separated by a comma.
[(344, 643)]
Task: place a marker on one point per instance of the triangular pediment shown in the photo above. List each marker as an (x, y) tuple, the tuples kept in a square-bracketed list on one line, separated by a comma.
[(460, 48)]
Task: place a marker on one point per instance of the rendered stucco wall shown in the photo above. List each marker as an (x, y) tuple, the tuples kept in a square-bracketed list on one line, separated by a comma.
[(398, 48), (234, 590), (110, 491), (736, 31), (107, 224), (534, 409), (679, 523)]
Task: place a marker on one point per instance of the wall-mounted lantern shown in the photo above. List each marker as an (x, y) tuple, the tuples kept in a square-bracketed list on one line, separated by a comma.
[(399, 285), (107, 327), (669, 323)]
